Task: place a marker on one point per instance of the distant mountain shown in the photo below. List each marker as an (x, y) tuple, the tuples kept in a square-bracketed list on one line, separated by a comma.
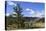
[(26, 19), (30, 18)]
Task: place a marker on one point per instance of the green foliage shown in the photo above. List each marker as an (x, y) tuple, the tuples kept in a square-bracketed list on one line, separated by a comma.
[(18, 15)]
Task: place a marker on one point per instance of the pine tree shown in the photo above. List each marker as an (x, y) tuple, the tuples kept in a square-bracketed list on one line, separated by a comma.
[(19, 16)]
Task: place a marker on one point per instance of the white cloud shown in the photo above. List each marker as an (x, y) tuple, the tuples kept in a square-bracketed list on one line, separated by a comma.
[(35, 13), (38, 14), (11, 3), (14, 13), (7, 14), (27, 9), (31, 11)]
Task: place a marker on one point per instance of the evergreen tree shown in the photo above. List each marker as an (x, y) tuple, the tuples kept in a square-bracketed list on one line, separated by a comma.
[(19, 16)]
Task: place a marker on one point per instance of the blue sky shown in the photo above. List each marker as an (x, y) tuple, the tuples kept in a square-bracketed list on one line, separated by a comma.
[(30, 9)]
